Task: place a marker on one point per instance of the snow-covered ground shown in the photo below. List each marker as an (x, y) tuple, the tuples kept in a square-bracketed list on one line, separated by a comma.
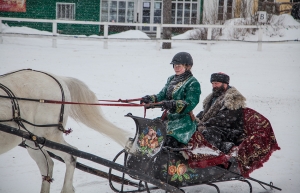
[(268, 79)]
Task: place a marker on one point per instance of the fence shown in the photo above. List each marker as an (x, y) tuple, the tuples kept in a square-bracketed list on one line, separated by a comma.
[(106, 25)]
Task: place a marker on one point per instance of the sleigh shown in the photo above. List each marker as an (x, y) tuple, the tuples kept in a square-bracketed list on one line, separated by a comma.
[(149, 162), (145, 158), (148, 156), (162, 167)]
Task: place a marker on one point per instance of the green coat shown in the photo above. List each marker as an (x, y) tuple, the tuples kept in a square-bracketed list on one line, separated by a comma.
[(180, 125)]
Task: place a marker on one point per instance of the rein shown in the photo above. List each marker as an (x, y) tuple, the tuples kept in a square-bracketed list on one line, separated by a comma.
[(79, 103), (123, 101), (127, 103)]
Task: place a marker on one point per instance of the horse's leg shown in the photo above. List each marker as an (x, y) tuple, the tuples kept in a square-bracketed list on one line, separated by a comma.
[(44, 162), (70, 162)]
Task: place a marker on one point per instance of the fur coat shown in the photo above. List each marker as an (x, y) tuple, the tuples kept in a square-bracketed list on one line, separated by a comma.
[(222, 121)]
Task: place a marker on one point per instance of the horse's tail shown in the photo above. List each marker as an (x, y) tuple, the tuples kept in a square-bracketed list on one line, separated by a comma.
[(91, 115)]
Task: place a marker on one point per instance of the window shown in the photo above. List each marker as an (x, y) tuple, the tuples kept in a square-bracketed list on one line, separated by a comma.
[(221, 10), (157, 13), (229, 9), (130, 12), (117, 11), (184, 11), (225, 9), (65, 11)]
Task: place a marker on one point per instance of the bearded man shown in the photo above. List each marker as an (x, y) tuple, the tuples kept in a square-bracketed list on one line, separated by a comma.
[(221, 121)]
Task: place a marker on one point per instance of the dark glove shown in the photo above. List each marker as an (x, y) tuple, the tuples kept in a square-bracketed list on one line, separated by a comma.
[(146, 99), (200, 115), (169, 105), (200, 126), (234, 135)]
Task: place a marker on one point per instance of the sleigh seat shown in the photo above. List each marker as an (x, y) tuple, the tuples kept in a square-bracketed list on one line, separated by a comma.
[(256, 148)]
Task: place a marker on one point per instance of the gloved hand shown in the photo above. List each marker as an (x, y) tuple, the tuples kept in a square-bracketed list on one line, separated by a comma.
[(200, 115), (146, 99), (169, 105), (201, 126), (233, 135)]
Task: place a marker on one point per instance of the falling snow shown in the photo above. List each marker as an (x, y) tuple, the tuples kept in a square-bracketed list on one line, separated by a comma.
[(268, 79)]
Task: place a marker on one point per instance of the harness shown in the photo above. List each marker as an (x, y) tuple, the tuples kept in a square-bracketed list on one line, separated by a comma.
[(16, 114), (16, 109)]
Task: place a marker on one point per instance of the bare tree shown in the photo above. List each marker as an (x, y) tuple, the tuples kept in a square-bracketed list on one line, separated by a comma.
[(249, 16), (243, 9), (210, 17)]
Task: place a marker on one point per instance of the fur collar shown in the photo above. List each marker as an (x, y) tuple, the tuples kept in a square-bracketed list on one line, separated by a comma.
[(233, 99)]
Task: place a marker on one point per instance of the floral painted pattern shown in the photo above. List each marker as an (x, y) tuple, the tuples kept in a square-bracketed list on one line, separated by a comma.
[(150, 140), (179, 171)]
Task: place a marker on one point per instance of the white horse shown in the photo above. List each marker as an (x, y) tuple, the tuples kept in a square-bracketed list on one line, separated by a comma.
[(37, 85)]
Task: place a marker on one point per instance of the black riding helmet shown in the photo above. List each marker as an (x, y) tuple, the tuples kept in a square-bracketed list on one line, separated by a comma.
[(182, 58)]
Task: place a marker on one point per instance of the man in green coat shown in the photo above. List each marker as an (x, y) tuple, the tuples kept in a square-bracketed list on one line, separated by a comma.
[(179, 97)]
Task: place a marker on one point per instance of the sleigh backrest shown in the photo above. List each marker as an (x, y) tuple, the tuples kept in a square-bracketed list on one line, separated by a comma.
[(255, 123), (259, 143)]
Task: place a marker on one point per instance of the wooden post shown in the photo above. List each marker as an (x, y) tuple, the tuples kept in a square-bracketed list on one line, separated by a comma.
[(259, 47), (105, 46), (167, 19), (158, 31), (54, 32), (209, 30), (1, 39)]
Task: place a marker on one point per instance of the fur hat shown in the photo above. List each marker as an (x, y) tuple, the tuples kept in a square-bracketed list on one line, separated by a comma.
[(220, 77)]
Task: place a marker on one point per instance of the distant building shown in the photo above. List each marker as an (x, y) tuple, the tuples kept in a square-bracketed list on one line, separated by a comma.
[(118, 11), (221, 10)]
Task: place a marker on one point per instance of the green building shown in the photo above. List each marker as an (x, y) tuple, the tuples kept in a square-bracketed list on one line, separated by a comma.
[(119, 11)]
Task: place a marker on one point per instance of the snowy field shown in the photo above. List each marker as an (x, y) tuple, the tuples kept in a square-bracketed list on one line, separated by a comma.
[(268, 79)]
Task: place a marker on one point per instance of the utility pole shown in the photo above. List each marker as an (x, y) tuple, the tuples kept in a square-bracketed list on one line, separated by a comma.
[(167, 19)]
